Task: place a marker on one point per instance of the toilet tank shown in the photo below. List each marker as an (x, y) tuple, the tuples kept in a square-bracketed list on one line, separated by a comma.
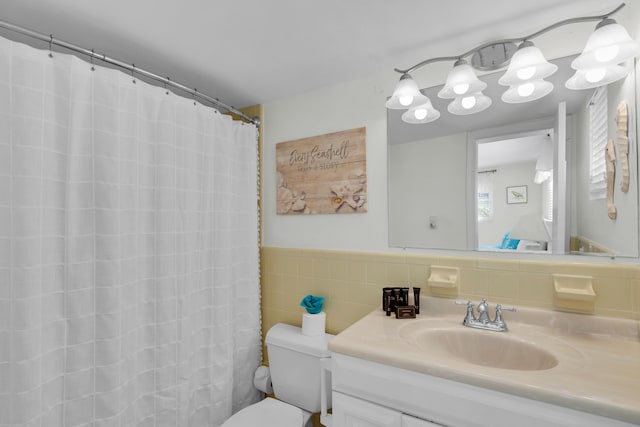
[(294, 363)]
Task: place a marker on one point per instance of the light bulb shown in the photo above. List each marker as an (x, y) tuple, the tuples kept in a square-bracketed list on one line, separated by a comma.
[(526, 73), (423, 113), (606, 53), (528, 63), (526, 89), (595, 75), (461, 80), (461, 88), (405, 100), (420, 113), (590, 78), (405, 94), (468, 102)]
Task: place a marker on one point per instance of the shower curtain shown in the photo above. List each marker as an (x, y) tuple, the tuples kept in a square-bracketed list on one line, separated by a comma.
[(129, 261)]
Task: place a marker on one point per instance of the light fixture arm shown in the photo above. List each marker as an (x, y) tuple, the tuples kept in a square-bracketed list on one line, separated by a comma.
[(511, 40)]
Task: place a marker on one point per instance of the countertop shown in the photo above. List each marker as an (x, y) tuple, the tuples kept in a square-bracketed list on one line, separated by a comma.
[(598, 368)]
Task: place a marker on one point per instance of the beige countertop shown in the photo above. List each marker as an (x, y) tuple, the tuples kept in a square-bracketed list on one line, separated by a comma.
[(598, 369)]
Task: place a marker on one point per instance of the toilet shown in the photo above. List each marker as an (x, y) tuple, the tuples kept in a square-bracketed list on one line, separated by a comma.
[(294, 364)]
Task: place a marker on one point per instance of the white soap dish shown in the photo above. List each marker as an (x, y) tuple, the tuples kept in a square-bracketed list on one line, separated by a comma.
[(444, 277), (574, 293), (579, 288)]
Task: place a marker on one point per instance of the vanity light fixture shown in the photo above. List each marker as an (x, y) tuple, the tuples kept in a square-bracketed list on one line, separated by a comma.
[(604, 60)]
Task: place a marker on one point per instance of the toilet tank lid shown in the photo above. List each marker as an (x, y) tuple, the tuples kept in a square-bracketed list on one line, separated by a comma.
[(291, 337)]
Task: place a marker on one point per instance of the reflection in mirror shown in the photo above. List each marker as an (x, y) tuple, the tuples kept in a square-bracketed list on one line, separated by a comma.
[(530, 162), (514, 187), (436, 197)]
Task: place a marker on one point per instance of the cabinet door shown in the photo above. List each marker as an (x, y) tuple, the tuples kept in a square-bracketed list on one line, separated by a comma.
[(408, 421), (352, 412)]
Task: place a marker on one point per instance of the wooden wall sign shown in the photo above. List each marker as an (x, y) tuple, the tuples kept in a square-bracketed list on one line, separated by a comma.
[(323, 174)]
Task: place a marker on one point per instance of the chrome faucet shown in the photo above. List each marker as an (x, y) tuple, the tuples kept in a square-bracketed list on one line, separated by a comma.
[(483, 321)]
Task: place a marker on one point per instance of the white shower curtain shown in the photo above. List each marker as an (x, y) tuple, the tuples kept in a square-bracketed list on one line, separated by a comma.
[(129, 272)]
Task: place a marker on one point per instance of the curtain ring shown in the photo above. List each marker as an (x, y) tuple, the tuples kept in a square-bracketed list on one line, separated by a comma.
[(195, 91), (165, 85), (50, 45), (92, 67), (133, 70)]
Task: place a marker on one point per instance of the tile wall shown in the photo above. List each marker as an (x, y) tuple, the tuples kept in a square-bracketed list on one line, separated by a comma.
[(351, 282)]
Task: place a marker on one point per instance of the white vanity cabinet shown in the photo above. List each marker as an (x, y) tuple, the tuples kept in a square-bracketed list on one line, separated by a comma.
[(408, 421), (371, 394), (352, 412)]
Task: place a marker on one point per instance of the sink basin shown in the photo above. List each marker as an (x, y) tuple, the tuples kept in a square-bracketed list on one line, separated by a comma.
[(493, 349)]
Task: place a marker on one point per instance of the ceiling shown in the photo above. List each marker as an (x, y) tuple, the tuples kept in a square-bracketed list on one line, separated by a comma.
[(511, 151), (256, 51)]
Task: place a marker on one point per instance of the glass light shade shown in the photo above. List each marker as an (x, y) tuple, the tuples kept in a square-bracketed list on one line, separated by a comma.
[(588, 78), (609, 44), (528, 63), (424, 113), (469, 104), (406, 94), (461, 80), (527, 91)]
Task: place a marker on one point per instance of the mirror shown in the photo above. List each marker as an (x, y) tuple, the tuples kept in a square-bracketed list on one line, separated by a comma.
[(439, 173)]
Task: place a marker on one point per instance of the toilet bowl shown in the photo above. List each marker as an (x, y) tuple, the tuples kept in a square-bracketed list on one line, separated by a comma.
[(269, 413), (294, 366)]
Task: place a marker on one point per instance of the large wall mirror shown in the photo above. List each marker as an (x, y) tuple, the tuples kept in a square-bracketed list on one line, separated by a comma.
[(514, 178)]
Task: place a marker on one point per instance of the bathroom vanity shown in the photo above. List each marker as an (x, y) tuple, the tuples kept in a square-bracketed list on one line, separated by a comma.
[(549, 369)]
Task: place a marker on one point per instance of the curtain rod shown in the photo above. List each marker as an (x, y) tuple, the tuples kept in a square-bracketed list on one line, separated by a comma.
[(165, 80)]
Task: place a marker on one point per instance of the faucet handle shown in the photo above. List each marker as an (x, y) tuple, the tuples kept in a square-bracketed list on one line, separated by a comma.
[(512, 309), (467, 303), (470, 316), (499, 320)]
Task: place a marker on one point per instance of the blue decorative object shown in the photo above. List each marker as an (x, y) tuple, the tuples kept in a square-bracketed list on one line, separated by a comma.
[(508, 243), (312, 304)]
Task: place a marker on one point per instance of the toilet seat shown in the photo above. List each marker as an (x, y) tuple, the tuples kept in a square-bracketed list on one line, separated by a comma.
[(267, 413)]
